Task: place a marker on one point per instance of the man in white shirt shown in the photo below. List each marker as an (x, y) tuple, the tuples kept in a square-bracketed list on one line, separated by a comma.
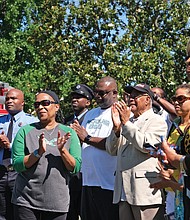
[(98, 167)]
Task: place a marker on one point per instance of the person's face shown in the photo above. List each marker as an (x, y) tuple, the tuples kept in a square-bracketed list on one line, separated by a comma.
[(46, 111), (79, 103), (181, 103), (188, 68), (126, 97), (14, 101), (105, 94), (158, 92), (138, 102)]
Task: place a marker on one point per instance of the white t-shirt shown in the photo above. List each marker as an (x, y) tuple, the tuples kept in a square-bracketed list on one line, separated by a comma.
[(98, 167)]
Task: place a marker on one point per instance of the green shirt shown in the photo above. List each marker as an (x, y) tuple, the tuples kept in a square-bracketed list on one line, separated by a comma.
[(43, 186)]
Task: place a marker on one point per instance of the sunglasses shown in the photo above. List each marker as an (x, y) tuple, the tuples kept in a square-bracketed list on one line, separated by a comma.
[(43, 103), (180, 99), (102, 93), (138, 96)]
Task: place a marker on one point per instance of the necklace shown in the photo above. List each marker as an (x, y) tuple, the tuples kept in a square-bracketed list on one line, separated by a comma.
[(51, 131)]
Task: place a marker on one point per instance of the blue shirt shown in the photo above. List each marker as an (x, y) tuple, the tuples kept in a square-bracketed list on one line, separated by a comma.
[(20, 119)]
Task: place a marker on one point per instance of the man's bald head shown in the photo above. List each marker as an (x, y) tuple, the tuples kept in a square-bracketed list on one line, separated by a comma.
[(108, 81), (14, 101)]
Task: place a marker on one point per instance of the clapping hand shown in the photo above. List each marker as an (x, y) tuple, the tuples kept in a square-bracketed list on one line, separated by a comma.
[(62, 140), (42, 145), (120, 115), (4, 141), (80, 130)]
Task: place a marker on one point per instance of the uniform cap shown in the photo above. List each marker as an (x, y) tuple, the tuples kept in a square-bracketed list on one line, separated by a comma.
[(83, 90)]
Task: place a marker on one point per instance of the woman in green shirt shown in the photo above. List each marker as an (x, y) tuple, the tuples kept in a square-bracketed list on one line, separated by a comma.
[(44, 154)]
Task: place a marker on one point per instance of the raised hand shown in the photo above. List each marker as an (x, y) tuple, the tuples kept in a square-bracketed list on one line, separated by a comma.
[(116, 119), (62, 140), (42, 145), (80, 130), (124, 111)]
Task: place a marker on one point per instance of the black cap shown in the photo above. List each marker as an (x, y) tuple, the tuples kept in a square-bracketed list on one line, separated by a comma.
[(83, 90), (52, 94), (142, 87)]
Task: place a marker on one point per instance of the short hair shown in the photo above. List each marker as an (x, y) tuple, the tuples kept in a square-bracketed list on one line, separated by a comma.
[(185, 86)]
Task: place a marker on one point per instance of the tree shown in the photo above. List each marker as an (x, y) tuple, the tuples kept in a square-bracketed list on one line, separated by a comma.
[(55, 44)]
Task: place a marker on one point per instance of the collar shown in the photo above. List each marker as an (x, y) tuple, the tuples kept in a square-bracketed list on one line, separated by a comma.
[(80, 116), (17, 116)]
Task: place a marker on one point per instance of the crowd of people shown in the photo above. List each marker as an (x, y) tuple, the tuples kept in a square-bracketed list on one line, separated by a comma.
[(122, 160)]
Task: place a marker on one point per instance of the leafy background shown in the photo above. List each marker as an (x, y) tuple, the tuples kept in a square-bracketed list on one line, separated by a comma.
[(51, 44)]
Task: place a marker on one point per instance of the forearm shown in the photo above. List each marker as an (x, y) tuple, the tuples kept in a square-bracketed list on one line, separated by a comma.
[(97, 142), (176, 186), (167, 106), (30, 160), (68, 159)]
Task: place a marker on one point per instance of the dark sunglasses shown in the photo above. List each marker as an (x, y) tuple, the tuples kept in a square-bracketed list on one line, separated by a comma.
[(180, 99), (43, 103), (102, 93)]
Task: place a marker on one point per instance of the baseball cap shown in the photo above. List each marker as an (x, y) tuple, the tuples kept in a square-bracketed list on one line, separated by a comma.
[(83, 90), (142, 87)]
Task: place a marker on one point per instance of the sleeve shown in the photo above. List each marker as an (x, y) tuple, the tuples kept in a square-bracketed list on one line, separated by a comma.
[(154, 129), (18, 153), (75, 150)]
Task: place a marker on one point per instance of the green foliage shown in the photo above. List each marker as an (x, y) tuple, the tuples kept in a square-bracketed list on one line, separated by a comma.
[(52, 44)]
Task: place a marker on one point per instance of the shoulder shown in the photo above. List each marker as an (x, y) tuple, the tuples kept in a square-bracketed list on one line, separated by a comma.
[(4, 118), (154, 119), (30, 118), (27, 128), (28, 115), (93, 111), (65, 128)]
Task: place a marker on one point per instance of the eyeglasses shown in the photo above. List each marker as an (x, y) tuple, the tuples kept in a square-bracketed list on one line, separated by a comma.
[(43, 103), (102, 93), (138, 96), (180, 99)]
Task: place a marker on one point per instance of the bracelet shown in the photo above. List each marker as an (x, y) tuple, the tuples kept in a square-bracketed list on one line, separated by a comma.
[(36, 154)]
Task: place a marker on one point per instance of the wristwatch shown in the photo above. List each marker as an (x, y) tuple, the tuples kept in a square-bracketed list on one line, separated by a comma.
[(87, 139), (36, 154)]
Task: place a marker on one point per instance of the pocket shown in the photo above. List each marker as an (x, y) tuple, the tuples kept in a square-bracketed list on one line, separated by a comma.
[(146, 174)]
